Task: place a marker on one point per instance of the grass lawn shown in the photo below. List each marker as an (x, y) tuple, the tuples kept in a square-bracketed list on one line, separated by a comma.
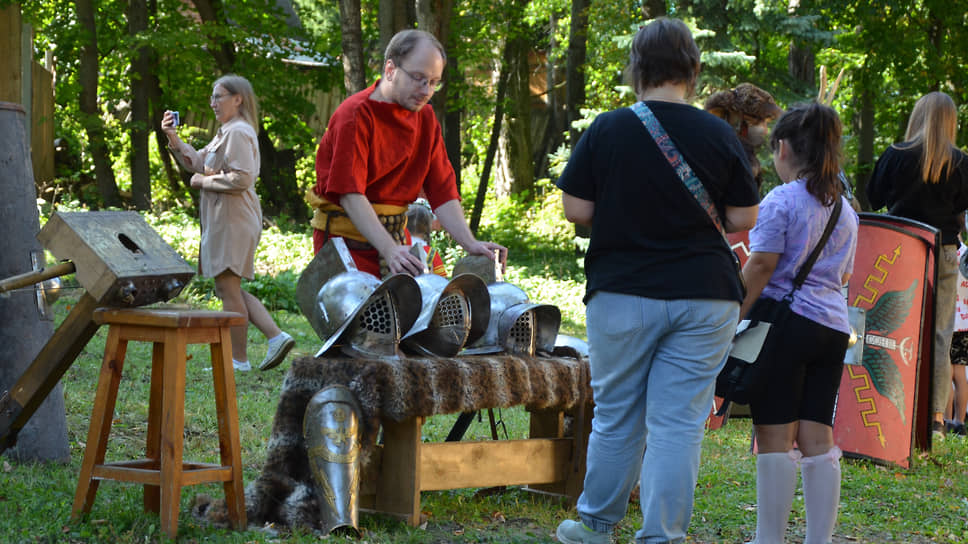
[(927, 502)]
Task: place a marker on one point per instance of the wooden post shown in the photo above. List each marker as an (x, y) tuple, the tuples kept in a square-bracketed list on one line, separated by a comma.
[(11, 71)]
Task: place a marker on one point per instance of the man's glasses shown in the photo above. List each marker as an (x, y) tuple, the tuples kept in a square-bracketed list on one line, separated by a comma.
[(433, 84)]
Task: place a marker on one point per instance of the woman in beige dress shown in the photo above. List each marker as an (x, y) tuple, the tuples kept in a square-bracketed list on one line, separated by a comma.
[(231, 216)]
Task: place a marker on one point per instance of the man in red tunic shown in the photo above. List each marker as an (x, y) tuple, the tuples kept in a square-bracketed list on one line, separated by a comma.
[(382, 148)]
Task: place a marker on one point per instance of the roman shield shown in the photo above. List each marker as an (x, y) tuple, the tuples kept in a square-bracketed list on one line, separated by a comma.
[(881, 398)]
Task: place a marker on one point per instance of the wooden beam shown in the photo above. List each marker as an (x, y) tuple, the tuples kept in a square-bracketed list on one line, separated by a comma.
[(457, 465), (11, 71)]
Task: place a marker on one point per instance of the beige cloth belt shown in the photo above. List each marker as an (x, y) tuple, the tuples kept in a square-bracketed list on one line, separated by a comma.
[(332, 219)]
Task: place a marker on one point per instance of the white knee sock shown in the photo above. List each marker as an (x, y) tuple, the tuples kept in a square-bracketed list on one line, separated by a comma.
[(821, 494), (776, 480)]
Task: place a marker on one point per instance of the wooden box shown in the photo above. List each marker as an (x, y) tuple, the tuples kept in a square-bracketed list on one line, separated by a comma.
[(118, 258)]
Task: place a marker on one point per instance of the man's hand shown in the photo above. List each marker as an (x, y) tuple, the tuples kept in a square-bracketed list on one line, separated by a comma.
[(197, 181), (489, 250), (451, 217), (399, 259)]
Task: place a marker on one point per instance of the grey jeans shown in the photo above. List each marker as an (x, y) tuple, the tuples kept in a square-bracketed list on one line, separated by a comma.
[(944, 324)]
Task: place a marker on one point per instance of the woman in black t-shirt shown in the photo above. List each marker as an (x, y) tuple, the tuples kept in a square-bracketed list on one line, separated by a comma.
[(662, 292)]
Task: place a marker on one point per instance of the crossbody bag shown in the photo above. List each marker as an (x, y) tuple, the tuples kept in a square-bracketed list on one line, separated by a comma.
[(688, 178)]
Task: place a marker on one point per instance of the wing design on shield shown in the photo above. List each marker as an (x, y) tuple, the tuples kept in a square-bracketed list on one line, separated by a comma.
[(887, 315), (891, 310)]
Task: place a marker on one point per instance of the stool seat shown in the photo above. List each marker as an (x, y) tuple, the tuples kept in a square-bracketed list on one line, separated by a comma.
[(163, 472)]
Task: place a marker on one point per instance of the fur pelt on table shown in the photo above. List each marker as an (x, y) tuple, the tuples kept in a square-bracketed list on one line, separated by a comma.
[(399, 390)]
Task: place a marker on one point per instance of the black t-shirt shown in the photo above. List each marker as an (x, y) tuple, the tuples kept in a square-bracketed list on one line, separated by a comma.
[(897, 183), (649, 236)]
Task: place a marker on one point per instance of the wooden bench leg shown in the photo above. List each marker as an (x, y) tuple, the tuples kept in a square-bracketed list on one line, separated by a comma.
[(172, 429), (152, 493), (226, 408), (398, 491), (101, 417)]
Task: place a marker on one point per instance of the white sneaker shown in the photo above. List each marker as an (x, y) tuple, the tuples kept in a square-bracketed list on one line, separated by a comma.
[(278, 349), (241, 367), (576, 532)]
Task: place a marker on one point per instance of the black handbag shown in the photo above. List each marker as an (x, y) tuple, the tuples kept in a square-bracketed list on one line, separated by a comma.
[(743, 375)]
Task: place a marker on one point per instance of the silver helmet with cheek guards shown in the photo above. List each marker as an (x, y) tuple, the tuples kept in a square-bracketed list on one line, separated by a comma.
[(453, 314), (365, 316), (516, 325)]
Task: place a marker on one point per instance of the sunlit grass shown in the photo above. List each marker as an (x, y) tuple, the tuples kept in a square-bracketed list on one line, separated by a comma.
[(925, 503)]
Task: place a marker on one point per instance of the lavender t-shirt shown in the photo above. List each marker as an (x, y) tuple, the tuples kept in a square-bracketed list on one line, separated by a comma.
[(790, 222)]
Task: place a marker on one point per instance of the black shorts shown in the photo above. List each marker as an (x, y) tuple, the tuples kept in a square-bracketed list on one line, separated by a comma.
[(805, 363), (959, 348)]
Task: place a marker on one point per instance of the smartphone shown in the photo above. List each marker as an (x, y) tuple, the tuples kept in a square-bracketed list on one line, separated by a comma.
[(174, 119)]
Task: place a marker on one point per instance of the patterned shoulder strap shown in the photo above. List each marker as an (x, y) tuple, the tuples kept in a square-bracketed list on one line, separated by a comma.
[(682, 168)]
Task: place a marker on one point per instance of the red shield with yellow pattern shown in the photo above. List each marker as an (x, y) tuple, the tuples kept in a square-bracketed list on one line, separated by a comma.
[(881, 406)]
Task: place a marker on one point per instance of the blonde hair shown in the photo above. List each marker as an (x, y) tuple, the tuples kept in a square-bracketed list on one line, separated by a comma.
[(249, 108), (933, 125)]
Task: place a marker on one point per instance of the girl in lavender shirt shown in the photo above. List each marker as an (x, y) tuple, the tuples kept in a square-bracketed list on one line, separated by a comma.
[(803, 374)]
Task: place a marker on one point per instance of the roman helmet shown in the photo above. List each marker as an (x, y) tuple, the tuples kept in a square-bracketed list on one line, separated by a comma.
[(516, 325), (367, 317), (332, 259), (453, 313), (331, 428)]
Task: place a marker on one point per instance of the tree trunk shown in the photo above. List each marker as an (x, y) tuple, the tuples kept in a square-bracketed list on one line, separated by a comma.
[(502, 86), (652, 9), (394, 16), (87, 75), (452, 116), (222, 50), (141, 74), (552, 134), (354, 69), (23, 330), (518, 165), (865, 147), (279, 189), (435, 16), (801, 61), (575, 84)]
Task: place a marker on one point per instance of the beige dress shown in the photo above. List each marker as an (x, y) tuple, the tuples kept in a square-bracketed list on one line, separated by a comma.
[(231, 216)]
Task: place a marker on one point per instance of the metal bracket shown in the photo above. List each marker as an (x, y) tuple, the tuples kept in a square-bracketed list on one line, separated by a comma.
[(36, 265)]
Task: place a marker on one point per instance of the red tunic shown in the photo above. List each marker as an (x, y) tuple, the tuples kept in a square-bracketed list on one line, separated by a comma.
[(385, 152)]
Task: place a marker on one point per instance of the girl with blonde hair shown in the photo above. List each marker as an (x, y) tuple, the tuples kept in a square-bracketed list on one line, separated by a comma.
[(925, 178)]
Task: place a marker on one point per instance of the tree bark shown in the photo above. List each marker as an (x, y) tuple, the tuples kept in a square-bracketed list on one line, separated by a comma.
[(223, 51), (552, 134), (518, 169), (354, 69), (435, 16), (141, 75), (394, 16), (452, 116), (865, 147), (652, 9), (801, 62), (575, 82), (279, 188), (575, 85), (87, 75), (502, 86)]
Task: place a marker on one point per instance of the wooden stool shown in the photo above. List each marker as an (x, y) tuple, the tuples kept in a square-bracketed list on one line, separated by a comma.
[(163, 471)]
